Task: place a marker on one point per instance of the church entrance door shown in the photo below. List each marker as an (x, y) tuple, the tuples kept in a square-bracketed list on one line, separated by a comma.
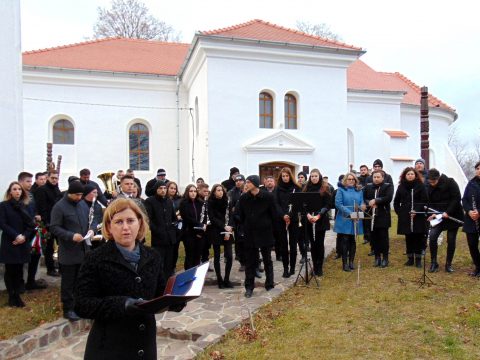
[(273, 169)]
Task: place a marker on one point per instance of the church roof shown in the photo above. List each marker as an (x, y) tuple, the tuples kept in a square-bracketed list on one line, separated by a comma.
[(263, 30), (360, 76), (113, 54), (166, 58)]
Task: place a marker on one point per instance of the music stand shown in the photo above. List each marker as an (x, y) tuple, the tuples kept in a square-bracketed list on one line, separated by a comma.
[(304, 202)]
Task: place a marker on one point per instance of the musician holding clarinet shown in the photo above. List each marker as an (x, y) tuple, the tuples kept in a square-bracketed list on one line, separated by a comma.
[(444, 198), (378, 196), (410, 199), (471, 202)]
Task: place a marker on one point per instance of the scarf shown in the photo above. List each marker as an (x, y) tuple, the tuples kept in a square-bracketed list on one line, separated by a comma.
[(132, 257)]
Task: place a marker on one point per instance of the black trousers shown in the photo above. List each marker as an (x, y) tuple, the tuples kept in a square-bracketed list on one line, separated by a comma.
[(227, 253), (317, 248), (67, 285), (33, 267), (251, 256), (415, 243), (348, 247), (286, 242), (193, 249), (472, 239), (451, 242), (48, 253), (166, 254), (206, 249), (13, 278), (380, 241), (175, 256)]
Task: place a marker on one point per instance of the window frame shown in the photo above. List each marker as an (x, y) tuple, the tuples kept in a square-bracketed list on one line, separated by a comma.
[(263, 116), (291, 118), (62, 132), (137, 153)]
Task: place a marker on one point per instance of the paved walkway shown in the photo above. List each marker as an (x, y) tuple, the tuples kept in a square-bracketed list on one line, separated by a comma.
[(204, 321)]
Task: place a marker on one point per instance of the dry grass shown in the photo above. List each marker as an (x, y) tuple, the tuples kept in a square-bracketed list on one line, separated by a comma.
[(387, 316), (41, 306)]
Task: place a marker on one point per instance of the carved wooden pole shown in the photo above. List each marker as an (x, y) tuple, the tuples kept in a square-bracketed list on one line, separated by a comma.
[(424, 128), (49, 156)]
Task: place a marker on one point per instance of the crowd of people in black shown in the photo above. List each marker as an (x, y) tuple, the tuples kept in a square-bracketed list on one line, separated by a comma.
[(242, 217)]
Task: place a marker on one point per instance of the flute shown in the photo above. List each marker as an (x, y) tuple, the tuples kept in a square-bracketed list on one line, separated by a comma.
[(433, 211), (374, 212), (411, 213), (474, 207)]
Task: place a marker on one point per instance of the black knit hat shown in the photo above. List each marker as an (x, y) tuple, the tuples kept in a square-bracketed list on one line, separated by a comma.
[(302, 173), (161, 172), (234, 170), (378, 162), (87, 189), (75, 187), (254, 179), (158, 184)]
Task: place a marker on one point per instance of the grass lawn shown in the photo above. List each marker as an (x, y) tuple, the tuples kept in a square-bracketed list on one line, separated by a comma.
[(387, 316)]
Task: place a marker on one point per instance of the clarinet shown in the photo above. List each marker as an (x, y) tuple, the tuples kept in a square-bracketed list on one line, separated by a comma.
[(474, 208), (374, 212), (411, 218)]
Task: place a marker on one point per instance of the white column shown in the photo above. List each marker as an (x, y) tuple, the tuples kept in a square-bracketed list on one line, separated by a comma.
[(11, 120)]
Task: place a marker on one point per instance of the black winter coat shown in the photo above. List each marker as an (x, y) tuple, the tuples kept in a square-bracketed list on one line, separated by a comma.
[(191, 213), (69, 218), (325, 204), (216, 212), (45, 197), (472, 190), (283, 193), (257, 214), (105, 281), (446, 197), (403, 206), (15, 220), (384, 197), (162, 219)]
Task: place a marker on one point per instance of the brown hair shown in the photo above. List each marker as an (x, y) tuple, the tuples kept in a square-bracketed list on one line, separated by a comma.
[(187, 190), (418, 175), (214, 188), (8, 196), (120, 205), (286, 170)]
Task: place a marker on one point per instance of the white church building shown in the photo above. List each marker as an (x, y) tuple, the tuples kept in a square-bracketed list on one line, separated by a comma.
[(257, 96)]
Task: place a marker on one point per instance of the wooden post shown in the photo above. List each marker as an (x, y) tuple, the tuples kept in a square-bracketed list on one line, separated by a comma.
[(49, 156), (424, 127)]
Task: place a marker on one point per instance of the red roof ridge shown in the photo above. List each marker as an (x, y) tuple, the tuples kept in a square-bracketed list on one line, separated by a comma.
[(436, 101), (238, 26), (93, 41)]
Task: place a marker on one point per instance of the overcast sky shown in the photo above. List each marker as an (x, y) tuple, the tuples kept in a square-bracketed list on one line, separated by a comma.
[(434, 43)]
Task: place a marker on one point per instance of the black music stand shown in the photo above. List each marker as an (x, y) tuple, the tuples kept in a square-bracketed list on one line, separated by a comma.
[(303, 203)]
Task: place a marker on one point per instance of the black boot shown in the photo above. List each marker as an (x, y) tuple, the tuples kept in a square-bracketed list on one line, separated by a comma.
[(227, 284), (220, 282), (410, 260), (18, 301), (418, 260), (286, 274), (345, 266), (448, 268), (385, 261), (433, 267), (377, 262)]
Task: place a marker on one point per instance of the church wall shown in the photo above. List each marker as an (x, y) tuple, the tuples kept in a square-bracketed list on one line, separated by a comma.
[(234, 87), (101, 131), (11, 158)]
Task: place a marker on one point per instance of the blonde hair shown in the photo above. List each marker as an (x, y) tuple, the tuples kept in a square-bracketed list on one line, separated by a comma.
[(120, 205), (344, 181)]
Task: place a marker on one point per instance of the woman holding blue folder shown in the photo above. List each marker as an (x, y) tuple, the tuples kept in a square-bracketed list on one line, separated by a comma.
[(113, 281)]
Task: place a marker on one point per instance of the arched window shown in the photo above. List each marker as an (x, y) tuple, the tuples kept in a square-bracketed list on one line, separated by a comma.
[(266, 110), (290, 112), (138, 147), (63, 132)]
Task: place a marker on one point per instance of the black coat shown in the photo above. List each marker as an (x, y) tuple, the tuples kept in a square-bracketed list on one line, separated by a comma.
[(162, 219), (384, 197), (15, 220), (105, 281), (472, 190), (191, 213), (324, 205), (446, 197), (257, 214), (403, 206), (69, 218), (45, 197), (282, 194), (216, 212)]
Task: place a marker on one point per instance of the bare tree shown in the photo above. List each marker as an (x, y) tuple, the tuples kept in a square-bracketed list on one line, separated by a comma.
[(321, 29), (131, 19), (466, 158)]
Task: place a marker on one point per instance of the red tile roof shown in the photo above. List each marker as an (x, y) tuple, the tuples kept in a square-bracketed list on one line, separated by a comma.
[(263, 30), (360, 76), (113, 54)]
